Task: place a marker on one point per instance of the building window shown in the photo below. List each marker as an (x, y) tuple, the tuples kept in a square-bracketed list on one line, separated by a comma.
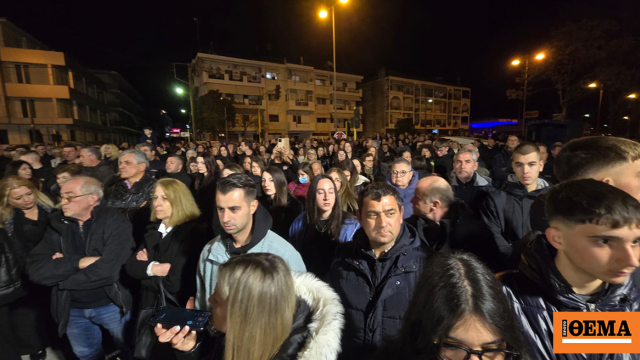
[(466, 94), (274, 118), (321, 101), (395, 103), (25, 108), (322, 120), (297, 119), (321, 82), (295, 78), (272, 75)]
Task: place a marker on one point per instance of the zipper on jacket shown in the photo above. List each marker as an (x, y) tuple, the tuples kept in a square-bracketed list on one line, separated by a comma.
[(591, 306)]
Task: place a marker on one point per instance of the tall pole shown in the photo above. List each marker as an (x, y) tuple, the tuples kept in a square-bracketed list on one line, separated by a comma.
[(333, 25), (599, 108), (193, 115), (524, 105), (226, 131)]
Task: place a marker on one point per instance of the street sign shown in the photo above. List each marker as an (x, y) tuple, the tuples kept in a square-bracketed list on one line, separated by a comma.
[(184, 134), (340, 135), (531, 114), (175, 130)]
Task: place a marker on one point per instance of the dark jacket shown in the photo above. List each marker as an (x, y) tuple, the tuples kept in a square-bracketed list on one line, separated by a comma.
[(326, 162), (375, 292), (503, 160), (488, 154), (443, 165), (181, 176), (181, 248), (103, 172), (155, 168), (473, 192), (135, 203), (283, 217), (144, 138), (538, 290), (109, 238), (506, 214), (11, 269)]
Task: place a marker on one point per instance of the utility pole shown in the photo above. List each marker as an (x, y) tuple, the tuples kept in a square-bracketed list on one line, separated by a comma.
[(333, 25), (524, 105)]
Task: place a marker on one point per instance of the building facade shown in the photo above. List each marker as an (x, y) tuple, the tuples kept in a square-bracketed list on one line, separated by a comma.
[(45, 96), (431, 106), (304, 109)]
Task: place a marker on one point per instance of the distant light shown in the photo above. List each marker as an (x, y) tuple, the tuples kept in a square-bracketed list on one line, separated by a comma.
[(592, 85), (625, 117), (632, 96), (430, 100), (188, 126), (540, 56), (606, 125), (323, 13), (515, 62), (183, 111), (344, 1), (180, 91), (162, 112), (268, 75), (175, 130), (586, 115)]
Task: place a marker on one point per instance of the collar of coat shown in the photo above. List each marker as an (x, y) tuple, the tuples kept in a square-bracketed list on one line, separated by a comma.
[(478, 180), (512, 178)]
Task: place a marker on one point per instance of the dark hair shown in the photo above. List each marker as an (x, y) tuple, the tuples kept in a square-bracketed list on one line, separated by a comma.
[(429, 147), (13, 167), (71, 169), (589, 201), (421, 163), (178, 157), (441, 143), (238, 181), (526, 149), (259, 161), (227, 149), (337, 217), (212, 170), (543, 145), (281, 196), (384, 167), (402, 153), (451, 287), (306, 168), (377, 191), (70, 144), (585, 157), (237, 169), (149, 146), (347, 165)]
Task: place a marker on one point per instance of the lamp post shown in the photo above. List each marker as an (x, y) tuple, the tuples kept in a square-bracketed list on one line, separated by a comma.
[(323, 14), (593, 86), (517, 62)]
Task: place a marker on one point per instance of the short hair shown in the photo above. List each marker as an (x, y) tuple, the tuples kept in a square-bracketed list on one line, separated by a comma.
[(138, 156), (237, 169), (515, 136), (237, 181), (31, 153), (401, 160), (555, 146), (474, 154), (377, 191), (70, 145), (147, 145), (181, 200), (526, 149), (420, 163), (442, 193), (177, 157), (71, 169), (542, 145), (441, 143), (585, 157), (259, 161), (93, 151), (589, 201), (91, 186)]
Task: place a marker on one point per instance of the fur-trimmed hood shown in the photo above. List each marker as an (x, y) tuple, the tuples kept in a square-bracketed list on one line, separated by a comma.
[(326, 318)]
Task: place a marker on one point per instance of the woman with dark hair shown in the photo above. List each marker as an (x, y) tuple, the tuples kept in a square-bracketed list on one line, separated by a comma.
[(348, 199), (383, 170), (204, 189), (458, 310), (429, 153), (276, 198), (192, 167), (24, 170), (324, 159), (233, 156), (351, 172), (257, 165), (317, 232), (420, 164), (339, 155), (224, 153), (300, 187)]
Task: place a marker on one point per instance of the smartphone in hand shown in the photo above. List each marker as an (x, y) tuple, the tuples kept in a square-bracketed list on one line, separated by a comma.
[(170, 316)]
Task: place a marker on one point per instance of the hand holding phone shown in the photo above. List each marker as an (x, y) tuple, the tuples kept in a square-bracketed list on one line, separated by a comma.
[(183, 340)]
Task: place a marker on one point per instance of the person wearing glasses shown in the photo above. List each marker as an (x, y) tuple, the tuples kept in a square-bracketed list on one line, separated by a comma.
[(24, 215), (458, 312), (404, 179), (80, 258)]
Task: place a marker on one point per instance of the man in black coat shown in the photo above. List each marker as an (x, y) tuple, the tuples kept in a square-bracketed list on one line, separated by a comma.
[(581, 263), (155, 165), (502, 167), (445, 223), (80, 257), (92, 166), (466, 183), (506, 212), (174, 169), (488, 152), (375, 274)]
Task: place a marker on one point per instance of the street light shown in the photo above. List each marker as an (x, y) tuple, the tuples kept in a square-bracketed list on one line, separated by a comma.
[(625, 117), (586, 115), (594, 85), (323, 14), (183, 111), (180, 91), (517, 62), (632, 96)]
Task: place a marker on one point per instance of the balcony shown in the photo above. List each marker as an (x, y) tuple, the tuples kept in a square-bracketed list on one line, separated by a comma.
[(226, 78), (303, 85), (301, 105), (348, 91), (303, 126), (249, 104), (37, 91)]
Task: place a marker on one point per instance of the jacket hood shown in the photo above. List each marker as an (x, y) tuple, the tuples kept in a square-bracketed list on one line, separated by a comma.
[(541, 182), (478, 180), (362, 180), (538, 265), (262, 222), (412, 184), (318, 322)]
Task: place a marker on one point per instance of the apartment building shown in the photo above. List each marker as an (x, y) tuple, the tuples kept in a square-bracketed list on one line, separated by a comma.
[(304, 109), (45, 96), (431, 106)]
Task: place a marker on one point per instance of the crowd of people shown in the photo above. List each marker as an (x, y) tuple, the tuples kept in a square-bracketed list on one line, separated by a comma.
[(401, 246)]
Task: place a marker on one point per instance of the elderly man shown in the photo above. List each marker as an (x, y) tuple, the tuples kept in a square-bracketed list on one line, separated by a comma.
[(80, 257), (92, 166), (131, 194), (404, 179), (174, 168), (467, 184)]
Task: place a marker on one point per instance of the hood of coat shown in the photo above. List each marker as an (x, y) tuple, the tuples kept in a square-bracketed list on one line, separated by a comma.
[(539, 266), (262, 222), (362, 180), (410, 189), (515, 188), (317, 324), (512, 178)]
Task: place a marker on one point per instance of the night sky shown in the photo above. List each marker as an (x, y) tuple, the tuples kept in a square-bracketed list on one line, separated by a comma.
[(467, 41)]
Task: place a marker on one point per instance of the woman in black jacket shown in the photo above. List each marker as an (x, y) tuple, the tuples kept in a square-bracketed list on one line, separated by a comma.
[(24, 214), (11, 291), (282, 206), (170, 250)]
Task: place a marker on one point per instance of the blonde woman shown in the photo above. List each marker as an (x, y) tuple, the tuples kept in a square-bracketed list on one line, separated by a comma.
[(311, 156), (24, 214), (345, 192), (110, 155), (264, 309), (170, 250)]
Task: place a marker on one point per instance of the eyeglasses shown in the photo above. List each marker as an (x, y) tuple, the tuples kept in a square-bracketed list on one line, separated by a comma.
[(70, 198), (458, 352), (400, 173)]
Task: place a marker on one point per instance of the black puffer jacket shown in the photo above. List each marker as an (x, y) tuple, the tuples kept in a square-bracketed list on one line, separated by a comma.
[(375, 292), (538, 290), (10, 271), (109, 238), (135, 203)]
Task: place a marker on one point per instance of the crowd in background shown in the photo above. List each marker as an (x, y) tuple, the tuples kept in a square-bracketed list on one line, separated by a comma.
[(384, 247)]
